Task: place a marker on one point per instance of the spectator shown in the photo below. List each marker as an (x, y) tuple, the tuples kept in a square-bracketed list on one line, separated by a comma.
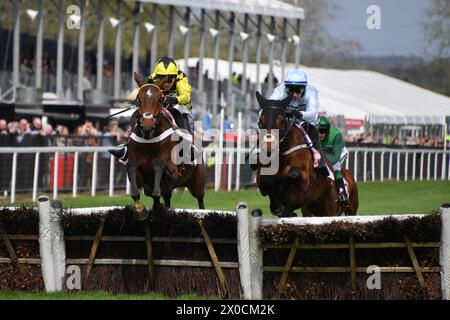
[(395, 141), (36, 126), (3, 126), (48, 130)]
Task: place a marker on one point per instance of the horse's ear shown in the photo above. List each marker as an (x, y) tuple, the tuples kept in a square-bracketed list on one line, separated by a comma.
[(138, 80), (261, 100)]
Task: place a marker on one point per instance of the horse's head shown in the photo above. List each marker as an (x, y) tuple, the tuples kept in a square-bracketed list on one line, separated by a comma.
[(273, 121), (149, 100)]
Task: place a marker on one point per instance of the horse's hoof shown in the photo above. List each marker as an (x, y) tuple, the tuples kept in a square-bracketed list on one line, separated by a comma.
[(140, 216), (140, 213), (277, 212), (159, 208)]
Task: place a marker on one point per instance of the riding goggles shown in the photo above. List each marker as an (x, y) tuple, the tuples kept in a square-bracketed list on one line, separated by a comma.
[(323, 130), (295, 89), (170, 77)]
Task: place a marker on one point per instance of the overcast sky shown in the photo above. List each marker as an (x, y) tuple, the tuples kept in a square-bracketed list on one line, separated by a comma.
[(400, 32)]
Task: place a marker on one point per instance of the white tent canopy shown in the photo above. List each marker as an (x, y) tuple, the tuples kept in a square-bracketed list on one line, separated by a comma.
[(358, 94)]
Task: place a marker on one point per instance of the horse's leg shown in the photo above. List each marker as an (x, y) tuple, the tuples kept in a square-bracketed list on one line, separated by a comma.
[(158, 167), (156, 203), (167, 198), (201, 203), (139, 209), (197, 183)]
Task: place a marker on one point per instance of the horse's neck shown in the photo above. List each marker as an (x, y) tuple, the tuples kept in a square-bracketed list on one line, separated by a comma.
[(295, 137)]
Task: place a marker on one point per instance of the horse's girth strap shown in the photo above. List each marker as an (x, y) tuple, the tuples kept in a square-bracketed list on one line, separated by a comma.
[(296, 148)]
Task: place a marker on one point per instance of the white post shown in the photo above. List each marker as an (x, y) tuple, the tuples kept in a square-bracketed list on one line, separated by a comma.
[(45, 244), (414, 166), (256, 254), (94, 173), (219, 153), (429, 166), (13, 178), (406, 165), (243, 249), (238, 151), (444, 162), (35, 176), (365, 167), (111, 176), (444, 254), (435, 165), (55, 175), (230, 170), (75, 175), (382, 167), (355, 175), (390, 164), (421, 165), (398, 166), (373, 165), (58, 245), (128, 186), (347, 161)]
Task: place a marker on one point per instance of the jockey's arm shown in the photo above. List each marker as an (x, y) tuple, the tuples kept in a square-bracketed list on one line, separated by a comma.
[(311, 112), (338, 145), (183, 89)]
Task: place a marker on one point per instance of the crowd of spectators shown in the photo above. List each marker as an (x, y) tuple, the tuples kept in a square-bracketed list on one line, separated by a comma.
[(407, 141), (15, 133)]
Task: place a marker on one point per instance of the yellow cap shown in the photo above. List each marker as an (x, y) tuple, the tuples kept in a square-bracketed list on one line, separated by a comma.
[(166, 66)]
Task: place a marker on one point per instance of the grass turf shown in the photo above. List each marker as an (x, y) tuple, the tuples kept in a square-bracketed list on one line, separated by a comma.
[(375, 198)]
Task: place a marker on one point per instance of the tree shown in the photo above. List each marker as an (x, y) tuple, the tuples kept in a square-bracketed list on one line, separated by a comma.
[(437, 27), (319, 48)]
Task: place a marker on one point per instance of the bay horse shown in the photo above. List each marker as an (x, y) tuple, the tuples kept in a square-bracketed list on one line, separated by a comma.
[(296, 184), (150, 163)]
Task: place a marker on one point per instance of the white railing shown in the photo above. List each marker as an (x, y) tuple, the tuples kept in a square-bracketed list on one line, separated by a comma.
[(364, 163)]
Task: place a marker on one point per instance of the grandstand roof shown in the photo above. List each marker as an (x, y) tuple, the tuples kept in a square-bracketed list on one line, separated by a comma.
[(272, 8), (360, 94)]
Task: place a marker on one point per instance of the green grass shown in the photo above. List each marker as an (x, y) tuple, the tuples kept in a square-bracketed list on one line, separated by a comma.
[(374, 198), (97, 295)]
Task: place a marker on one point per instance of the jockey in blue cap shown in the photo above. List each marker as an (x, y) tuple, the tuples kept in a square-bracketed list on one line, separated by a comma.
[(305, 107)]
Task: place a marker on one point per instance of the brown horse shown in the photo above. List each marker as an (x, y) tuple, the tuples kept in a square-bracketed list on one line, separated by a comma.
[(353, 203), (296, 184), (150, 162)]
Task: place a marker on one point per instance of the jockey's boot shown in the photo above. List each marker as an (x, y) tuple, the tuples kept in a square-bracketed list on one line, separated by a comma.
[(315, 139), (120, 152), (342, 191)]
